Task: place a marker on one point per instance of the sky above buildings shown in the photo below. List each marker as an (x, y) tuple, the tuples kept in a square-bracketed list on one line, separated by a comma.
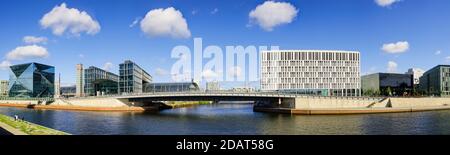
[(392, 35)]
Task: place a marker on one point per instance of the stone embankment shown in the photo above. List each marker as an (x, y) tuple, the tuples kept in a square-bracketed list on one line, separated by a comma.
[(81, 104), (338, 106)]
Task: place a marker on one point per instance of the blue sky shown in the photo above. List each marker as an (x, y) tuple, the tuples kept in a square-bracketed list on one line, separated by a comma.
[(361, 25)]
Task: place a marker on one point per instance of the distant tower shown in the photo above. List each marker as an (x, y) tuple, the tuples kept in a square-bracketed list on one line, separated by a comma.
[(58, 87), (80, 83)]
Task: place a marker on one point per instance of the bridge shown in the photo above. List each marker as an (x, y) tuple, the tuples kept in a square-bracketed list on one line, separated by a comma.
[(260, 99), (257, 97)]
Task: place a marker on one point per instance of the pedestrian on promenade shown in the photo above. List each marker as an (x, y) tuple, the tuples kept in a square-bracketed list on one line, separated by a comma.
[(16, 117)]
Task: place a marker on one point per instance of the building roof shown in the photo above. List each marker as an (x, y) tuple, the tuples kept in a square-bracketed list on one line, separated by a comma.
[(379, 73), (143, 70), (32, 63), (438, 66), (93, 67)]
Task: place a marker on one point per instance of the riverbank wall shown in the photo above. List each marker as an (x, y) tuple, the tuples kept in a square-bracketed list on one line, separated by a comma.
[(82, 104), (344, 105), (306, 105)]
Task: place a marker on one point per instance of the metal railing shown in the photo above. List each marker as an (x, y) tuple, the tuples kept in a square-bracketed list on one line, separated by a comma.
[(228, 93)]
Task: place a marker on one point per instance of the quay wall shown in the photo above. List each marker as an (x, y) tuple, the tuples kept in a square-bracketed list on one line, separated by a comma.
[(392, 102), (333, 102), (18, 102), (419, 102), (91, 102)]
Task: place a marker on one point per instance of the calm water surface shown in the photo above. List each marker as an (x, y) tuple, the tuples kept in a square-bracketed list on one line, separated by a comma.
[(233, 119)]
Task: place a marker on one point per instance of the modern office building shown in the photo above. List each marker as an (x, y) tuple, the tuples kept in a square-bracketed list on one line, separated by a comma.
[(132, 78), (314, 72), (99, 82), (436, 81), (387, 84), (31, 80), (416, 73), (79, 81), (4, 88), (68, 91), (171, 87)]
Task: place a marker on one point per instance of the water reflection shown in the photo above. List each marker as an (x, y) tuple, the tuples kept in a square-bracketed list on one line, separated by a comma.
[(233, 119)]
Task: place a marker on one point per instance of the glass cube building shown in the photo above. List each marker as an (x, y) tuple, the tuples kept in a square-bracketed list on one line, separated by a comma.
[(31, 80)]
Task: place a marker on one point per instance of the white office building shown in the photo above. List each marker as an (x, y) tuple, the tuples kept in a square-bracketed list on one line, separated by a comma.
[(416, 73), (312, 72)]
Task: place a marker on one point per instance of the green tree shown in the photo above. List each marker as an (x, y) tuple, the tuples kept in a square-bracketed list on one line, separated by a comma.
[(389, 91)]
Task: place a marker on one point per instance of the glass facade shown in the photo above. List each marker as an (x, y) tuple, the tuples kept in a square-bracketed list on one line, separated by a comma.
[(436, 81), (171, 87), (132, 78), (388, 84), (97, 80), (31, 80)]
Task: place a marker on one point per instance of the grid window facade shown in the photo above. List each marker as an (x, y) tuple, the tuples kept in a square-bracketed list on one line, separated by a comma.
[(326, 73), (93, 75), (132, 78)]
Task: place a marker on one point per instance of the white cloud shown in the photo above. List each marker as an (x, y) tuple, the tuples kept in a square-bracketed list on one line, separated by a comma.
[(271, 14), (438, 52), (165, 22), (34, 40), (194, 12), (161, 72), (107, 66), (447, 58), (81, 55), (393, 48), (215, 11), (235, 71), (386, 3), (392, 67), (74, 21), (24, 52), (5, 65), (209, 74), (136, 21)]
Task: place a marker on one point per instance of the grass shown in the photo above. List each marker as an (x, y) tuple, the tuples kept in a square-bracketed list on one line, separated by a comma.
[(187, 103), (29, 128)]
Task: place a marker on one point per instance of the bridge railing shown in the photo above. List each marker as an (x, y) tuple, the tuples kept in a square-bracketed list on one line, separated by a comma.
[(229, 93)]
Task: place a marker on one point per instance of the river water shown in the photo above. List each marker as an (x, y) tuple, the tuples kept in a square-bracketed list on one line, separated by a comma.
[(233, 119)]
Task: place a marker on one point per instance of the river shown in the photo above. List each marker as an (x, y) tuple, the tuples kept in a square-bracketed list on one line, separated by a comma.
[(233, 119)]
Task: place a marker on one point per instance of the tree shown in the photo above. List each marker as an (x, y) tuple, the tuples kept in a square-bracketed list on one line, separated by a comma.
[(389, 91)]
